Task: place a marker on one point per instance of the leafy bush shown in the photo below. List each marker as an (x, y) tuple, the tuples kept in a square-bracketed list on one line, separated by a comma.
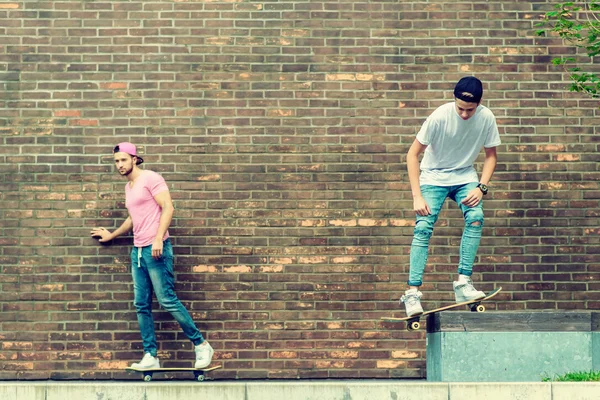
[(578, 23)]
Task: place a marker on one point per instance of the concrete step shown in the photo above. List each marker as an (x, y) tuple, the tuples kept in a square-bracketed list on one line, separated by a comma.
[(521, 346), (298, 390)]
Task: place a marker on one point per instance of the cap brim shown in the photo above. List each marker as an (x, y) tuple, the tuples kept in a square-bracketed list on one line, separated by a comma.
[(467, 99)]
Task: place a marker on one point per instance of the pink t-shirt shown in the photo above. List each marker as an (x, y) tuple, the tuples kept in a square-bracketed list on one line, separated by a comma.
[(143, 209)]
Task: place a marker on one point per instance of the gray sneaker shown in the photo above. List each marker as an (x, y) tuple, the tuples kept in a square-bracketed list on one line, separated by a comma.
[(464, 290), (412, 301), (147, 362), (204, 354)]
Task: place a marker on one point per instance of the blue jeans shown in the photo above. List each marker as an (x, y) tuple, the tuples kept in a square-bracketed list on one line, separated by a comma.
[(150, 275), (435, 197)]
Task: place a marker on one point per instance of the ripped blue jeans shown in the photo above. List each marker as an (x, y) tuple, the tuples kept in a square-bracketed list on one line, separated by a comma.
[(435, 196)]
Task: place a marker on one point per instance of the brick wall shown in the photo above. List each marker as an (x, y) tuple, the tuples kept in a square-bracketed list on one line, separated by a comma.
[(282, 129)]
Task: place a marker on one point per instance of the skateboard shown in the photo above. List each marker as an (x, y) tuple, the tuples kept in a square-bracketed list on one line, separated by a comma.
[(198, 373), (413, 323)]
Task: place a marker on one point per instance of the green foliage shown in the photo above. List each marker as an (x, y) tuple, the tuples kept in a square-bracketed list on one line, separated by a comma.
[(578, 23), (583, 376)]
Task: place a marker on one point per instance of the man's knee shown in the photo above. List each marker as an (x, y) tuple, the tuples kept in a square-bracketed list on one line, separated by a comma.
[(423, 230), (474, 218), (165, 297), (142, 305)]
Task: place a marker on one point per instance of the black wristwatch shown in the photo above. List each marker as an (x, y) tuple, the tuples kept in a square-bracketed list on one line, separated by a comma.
[(483, 188)]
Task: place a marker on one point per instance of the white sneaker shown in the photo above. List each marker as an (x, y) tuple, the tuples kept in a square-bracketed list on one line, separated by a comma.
[(204, 354), (148, 362), (464, 290), (412, 301)]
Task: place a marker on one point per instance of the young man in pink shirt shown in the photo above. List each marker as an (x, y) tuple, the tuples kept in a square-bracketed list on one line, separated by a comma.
[(148, 201)]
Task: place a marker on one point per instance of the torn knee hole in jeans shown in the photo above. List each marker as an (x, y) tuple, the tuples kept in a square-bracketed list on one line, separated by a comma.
[(423, 234)]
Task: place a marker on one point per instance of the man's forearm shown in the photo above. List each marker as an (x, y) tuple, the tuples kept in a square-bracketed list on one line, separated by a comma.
[(165, 220), (412, 164), (125, 227), (489, 166)]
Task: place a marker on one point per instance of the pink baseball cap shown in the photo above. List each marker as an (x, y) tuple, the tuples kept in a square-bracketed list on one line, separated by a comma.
[(130, 149)]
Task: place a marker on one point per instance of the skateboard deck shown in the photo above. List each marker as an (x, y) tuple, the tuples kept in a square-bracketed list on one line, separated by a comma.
[(413, 323), (198, 373)]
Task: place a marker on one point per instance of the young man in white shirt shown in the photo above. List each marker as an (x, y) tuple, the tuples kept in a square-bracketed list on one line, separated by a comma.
[(451, 139)]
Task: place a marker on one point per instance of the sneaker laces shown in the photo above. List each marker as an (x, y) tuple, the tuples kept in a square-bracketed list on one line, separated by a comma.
[(467, 286), (411, 299)]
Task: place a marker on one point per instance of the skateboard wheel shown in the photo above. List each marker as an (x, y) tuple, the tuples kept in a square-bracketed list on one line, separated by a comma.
[(480, 308), (147, 377), (413, 326), (200, 378)]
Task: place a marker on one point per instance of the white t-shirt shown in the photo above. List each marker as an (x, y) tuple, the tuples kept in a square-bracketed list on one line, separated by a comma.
[(453, 145)]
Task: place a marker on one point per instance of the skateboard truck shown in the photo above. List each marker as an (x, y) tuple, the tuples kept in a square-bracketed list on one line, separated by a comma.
[(477, 307), (413, 324), (198, 376)]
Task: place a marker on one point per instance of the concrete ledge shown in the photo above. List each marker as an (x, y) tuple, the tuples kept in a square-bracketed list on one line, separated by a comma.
[(510, 321), (498, 391), (345, 390), (298, 390), (510, 346)]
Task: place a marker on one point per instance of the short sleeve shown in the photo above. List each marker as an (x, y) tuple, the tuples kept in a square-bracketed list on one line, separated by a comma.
[(427, 131), (156, 184), (493, 136)]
